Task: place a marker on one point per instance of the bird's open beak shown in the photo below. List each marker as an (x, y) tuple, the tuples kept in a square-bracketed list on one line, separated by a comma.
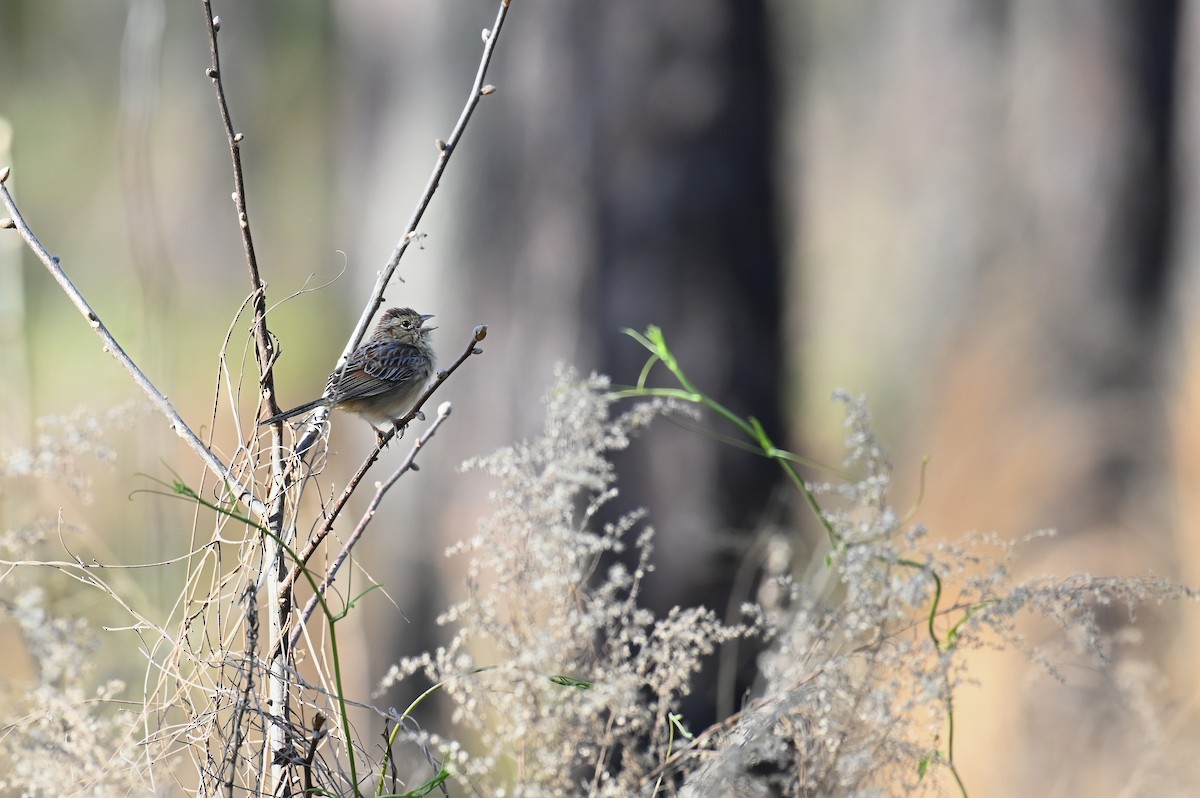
[(424, 318)]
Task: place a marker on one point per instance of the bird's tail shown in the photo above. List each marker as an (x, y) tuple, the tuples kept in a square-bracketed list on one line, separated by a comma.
[(295, 411)]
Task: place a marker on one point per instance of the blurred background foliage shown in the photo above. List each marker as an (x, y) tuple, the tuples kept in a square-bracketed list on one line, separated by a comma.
[(978, 212)]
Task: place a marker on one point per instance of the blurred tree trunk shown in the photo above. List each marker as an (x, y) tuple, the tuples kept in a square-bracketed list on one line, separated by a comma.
[(619, 177), (626, 182)]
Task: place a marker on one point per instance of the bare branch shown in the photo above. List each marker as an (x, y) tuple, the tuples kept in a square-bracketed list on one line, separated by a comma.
[(264, 348), (241, 493), (281, 602), (409, 464), (445, 149)]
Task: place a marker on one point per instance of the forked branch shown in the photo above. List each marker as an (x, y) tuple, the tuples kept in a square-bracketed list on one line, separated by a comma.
[(319, 536)]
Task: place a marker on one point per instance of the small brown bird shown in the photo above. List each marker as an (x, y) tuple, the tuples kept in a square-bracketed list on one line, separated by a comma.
[(384, 377)]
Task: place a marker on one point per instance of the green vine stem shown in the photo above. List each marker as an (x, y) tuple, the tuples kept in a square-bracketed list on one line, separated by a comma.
[(655, 343)]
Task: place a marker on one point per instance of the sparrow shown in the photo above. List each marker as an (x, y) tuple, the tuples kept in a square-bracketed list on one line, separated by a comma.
[(384, 377)]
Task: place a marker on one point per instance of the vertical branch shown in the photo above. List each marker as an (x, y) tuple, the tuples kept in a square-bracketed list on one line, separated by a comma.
[(279, 601), (264, 348)]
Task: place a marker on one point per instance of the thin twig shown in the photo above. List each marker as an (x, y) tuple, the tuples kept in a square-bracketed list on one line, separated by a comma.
[(368, 515), (318, 732), (243, 704), (445, 149), (241, 493), (264, 348)]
